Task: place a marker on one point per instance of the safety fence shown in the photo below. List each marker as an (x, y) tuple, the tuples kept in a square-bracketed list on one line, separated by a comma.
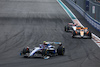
[(91, 20)]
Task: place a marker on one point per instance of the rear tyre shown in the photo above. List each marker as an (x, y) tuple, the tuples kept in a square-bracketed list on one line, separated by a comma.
[(61, 50), (73, 34), (90, 35), (65, 28)]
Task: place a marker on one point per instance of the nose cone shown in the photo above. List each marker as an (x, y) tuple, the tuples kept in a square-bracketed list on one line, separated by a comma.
[(82, 33)]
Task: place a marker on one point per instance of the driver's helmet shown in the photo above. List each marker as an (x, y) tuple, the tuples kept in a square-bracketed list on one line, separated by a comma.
[(60, 44), (81, 27), (27, 48), (44, 43)]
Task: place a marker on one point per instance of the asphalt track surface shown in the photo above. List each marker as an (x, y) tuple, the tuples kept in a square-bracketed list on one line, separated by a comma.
[(83, 21), (30, 22)]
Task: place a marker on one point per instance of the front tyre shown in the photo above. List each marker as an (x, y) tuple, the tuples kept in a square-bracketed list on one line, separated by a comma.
[(73, 34), (66, 28), (25, 52), (44, 52)]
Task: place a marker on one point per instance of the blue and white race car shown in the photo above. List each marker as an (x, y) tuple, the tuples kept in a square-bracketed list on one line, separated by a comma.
[(45, 50)]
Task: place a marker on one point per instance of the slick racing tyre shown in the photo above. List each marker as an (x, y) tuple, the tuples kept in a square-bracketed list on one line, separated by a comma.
[(66, 28), (90, 36), (25, 50), (61, 50), (73, 34)]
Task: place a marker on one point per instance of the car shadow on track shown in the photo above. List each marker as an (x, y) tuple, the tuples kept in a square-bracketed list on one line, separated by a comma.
[(59, 56)]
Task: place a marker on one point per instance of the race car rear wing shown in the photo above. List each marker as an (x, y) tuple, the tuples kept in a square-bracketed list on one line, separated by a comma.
[(81, 28), (53, 43)]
